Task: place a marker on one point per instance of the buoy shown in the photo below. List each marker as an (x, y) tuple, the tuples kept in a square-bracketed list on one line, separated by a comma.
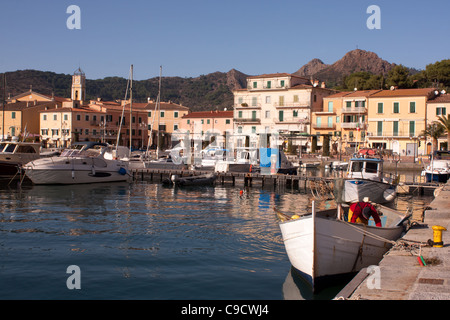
[(122, 171), (241, 192), (437, 236), (295, 217)]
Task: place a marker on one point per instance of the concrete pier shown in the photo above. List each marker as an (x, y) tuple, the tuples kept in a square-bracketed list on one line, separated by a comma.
[(400, 275)]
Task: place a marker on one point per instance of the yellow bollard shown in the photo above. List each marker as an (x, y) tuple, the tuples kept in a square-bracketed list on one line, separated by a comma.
[(437, 236)]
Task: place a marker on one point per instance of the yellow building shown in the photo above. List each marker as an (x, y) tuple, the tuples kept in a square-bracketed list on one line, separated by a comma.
[(344, 118), (436, 107), (396, 119)]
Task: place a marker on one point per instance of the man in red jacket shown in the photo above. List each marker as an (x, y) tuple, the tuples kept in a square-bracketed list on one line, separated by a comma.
[(360, 212)]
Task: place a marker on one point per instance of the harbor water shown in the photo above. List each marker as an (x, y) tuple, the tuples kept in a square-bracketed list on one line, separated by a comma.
[(144, 240)]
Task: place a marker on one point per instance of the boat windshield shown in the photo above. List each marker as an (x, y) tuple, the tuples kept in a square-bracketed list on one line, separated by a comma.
[(371, 167), (7, 147), (77, 151), (357, 166)]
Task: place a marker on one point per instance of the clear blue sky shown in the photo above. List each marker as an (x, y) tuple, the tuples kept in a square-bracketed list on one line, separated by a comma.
[(193, 37)]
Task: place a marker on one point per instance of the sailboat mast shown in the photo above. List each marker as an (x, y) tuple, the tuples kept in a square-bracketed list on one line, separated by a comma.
[(4, 102), (131, 108), (159, 112)]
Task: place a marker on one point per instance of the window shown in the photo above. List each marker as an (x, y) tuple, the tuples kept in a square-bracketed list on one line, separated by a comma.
[(338, 119), (188, 121), (149, 114), (371, 167), (208, 121), (55, 116), (203, 121), (133, 119), (86, 131), (319, 122), (239, 129), (94, 132), (412, 107), (281, 115), (441, 111), (86, 117), (255, 85), (240, 100), (240, 114), (267, 114), (348, 104), (295, 113), (175, 127), (282, 83), (253, 115), (396, 107), (175, 114), (330, 122), (254, 101), (412, 128), (55, 132), (78, 117), (269, 84), (162, 114), (66, 117), (44, 132), (380, 128), (227, 121), (13, 115), (268, 99), (330, 106), (395, 128), (380, 107), (296, 98), (253, 129), (281, 100)]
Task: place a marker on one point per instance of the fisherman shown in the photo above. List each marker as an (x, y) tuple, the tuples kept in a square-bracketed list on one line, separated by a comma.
[(360, 212)]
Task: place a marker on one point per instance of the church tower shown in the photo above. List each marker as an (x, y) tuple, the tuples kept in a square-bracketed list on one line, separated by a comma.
[(78, 85)]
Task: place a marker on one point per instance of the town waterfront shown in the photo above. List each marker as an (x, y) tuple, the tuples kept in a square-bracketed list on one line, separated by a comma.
[(147, 241)]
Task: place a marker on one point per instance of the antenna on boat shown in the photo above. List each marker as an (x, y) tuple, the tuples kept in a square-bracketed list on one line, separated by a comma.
[(131, 109), (158, 103)]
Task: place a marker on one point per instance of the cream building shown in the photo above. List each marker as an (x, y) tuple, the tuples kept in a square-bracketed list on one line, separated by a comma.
[(396, 119), (436, 107), (277, 103)]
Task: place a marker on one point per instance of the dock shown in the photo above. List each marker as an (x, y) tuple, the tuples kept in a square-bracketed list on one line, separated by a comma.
[(300, 182), (415, 270)]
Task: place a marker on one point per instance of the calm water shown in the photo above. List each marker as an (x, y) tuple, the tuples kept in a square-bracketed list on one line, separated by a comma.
[(146, 241)]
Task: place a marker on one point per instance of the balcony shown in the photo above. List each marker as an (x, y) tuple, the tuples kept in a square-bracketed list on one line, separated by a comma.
[(251, 120), (324, 126), (358, 110), (353, 125), (247, 105), (287, 105), (291, 120)]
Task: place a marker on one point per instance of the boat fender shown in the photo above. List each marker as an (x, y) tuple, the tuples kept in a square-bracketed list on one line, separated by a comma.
[(73, 174), (294, 217), (122, 171)]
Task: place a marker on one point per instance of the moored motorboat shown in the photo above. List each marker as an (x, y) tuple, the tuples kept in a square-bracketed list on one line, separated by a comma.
[(193, 180), (365, 178), (83, 162), (14, 154), (321, 245)]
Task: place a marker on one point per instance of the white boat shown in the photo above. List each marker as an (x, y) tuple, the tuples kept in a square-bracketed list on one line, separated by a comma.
[(83, 162), (310, 165), (14, 154), (365, 179), (322, 245), (193, 180), (339, 165), (439, 168)]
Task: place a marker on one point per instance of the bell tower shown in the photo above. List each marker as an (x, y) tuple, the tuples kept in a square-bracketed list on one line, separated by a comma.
[(78, 85)]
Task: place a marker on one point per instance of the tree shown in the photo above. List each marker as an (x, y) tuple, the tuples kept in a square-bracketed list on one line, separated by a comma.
[(445, 122), (399, 77), (434, 131), (439, 72)]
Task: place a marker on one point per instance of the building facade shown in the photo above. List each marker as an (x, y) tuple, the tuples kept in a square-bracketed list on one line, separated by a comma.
[(279, 103)]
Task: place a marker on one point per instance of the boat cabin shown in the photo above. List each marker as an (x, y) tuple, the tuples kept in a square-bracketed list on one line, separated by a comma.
[(366, 165)]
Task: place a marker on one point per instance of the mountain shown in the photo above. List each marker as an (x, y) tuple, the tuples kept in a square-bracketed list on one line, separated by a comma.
[(353, 61), (206, 92), (311, 68)]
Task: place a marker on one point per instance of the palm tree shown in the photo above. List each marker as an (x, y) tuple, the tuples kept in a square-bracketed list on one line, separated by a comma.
[(434, 131), (445, 122)]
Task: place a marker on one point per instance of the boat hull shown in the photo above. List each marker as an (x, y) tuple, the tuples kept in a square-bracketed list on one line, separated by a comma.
[(357, 189), (320, 248), (76, 171), (436, 177)]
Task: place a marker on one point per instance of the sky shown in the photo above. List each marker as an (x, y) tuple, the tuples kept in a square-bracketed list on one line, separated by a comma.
[(189, 38)]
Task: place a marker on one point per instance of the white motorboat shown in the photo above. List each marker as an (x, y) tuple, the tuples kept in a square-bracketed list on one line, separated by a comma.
[(14, 154), (365, 179), (437, 171), (83, 162), (322, 245), (339, 165)]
